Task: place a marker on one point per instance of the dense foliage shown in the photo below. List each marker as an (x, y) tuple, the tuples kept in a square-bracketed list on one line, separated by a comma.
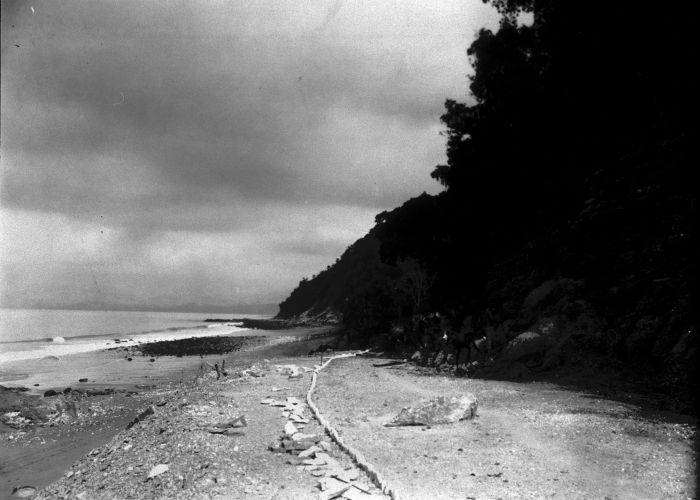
[(575, 159)]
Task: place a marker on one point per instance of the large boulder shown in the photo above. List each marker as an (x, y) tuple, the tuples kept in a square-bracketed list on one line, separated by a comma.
[(439, 410), (549, 293), (526, 345)]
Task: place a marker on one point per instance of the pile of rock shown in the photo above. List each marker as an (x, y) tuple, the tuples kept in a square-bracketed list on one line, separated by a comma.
[(311, 453)]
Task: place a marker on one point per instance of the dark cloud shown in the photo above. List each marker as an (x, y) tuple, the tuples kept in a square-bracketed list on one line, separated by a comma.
[(225, 117)]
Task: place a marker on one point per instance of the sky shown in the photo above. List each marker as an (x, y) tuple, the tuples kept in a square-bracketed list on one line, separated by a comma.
[(213, 152)]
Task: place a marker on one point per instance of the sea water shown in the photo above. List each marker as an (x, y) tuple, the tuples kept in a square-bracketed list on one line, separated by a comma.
[(37, 333)]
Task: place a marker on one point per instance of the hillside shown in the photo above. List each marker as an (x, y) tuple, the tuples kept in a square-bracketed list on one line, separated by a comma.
[(564, 238), (324, 296)]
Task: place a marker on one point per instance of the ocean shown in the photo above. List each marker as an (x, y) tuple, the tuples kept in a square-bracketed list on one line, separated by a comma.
[(37, 333)]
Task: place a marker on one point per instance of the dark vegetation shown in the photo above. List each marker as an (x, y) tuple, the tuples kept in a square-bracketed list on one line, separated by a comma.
[(565, 232)]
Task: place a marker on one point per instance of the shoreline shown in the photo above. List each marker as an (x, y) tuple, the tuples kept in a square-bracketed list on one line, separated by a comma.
[(39, 454), (506, 449)]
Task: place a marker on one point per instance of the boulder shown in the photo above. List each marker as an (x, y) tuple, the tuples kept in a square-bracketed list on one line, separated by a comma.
[(641, 338), (525, 345), (463, 357), (24, 491), (50, 393), (439, 410), (550, 292)]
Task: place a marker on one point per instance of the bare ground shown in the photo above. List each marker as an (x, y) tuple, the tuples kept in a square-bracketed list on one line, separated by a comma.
[(530, 440)]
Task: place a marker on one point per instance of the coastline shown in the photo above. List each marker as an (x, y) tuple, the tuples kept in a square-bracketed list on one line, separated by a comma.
[(505, 452), (37, 455)]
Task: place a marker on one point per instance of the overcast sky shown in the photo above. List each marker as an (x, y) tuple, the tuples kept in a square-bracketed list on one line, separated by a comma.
[(204, 151)]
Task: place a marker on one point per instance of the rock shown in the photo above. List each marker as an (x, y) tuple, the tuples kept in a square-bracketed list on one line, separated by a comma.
[(50, 393), (525, 345), (302, 445), (276, 448), (332, 488), (224, 432), (100, 392), (325, 445), (67, 390), (463, 357), (550, 292), (288, 370), (357, 494), (157, 470), (348, 475), (290, 429), (363, 487), (237, 422), (300, 436), (83, 380), (24, 492), (273, 402), (440, 410), (323, 458), (141, 416), (309, 452)]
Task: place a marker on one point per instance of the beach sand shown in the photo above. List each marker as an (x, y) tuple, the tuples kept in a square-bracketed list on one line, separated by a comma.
[(40, 454)]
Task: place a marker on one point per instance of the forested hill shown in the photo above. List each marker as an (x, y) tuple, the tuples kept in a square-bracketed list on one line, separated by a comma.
[(324, 296), (567, 223)]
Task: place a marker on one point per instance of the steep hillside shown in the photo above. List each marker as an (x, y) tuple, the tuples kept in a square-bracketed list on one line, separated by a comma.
[(565, 236), (324, 296)]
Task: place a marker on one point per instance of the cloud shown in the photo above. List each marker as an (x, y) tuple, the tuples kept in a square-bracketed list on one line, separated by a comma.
[(224, 117)]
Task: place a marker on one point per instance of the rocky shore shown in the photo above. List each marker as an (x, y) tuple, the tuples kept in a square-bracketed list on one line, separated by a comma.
[(231, 437)]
